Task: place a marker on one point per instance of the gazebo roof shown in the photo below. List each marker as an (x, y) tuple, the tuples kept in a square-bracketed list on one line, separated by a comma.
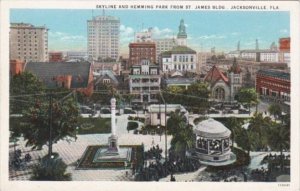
[(211, 128)]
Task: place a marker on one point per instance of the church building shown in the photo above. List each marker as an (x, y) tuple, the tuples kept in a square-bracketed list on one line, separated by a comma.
[(223, 86)]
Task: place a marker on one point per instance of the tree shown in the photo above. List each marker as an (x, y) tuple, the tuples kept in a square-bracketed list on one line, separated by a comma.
[(259, 126), (175, 118), (20, 86), (53, 169), (275, 110), (245, 140), (199, 94), (247, 95), (36, 121), (235, 126), (182, 133), (279, 139), (103, 95), (182, 139)]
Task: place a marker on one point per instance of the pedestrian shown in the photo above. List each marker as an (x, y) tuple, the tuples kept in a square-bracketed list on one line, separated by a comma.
[(173, 178)]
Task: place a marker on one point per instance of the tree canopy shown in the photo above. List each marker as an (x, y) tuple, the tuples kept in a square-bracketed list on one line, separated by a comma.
[(195, 96), (247, 95), (20, 86), (35, 126)]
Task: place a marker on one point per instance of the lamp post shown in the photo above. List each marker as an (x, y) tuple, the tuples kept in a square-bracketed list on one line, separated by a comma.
[(166, 147), (50, 124), (159, 131)]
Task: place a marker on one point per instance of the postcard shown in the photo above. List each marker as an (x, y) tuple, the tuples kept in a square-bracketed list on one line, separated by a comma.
[(125, 95)]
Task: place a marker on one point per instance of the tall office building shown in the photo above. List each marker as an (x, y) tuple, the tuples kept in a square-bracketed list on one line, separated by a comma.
[(162, 45), (103, 38), (28, 42)]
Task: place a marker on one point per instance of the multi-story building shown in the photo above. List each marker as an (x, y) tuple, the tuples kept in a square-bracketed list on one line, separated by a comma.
[(144, 82), (103, 37), (55, 56), (144, 36), (284, 50), (249, 68), (28, 42), (115, 67), (163, 45), (141, 51), (259, 55), (179, 58), (77, 55), (275, 84)]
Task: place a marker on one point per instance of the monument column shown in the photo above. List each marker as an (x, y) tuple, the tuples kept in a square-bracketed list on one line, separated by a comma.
[(113, 116), (113, 139)]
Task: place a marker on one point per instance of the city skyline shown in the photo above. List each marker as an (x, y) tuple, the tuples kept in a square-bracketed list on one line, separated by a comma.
[(205, 29)]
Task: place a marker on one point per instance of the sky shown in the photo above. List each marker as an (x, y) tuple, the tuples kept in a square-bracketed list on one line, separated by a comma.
[(205, 29)]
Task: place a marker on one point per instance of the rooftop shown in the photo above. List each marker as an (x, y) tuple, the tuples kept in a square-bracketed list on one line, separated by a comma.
[(179, 50), (211, 128), (180, 80), (275, 73), (214, 75), (155, 108), (47, 71)]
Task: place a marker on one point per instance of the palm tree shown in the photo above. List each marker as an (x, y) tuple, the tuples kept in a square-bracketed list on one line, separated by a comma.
[(275, 110), (175, 119), (182, 140), (260, 126), (279, 139), (234, 125)]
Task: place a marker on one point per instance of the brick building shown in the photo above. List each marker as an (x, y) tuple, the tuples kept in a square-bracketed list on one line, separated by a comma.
[(274, 84), (140, 51), (16, 67), (71, 75), (55, 56), (284, 50)]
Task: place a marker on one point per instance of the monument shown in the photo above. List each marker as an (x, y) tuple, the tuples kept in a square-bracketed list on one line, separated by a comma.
[(112, 155), (112, 152), (113, 139)]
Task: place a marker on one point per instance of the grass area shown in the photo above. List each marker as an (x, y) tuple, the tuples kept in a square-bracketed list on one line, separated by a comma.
[(94, 125), (132, 125), (135, 162)]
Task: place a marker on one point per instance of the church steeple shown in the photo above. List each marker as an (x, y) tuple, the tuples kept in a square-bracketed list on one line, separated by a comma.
[(181, 36), (182, 31)]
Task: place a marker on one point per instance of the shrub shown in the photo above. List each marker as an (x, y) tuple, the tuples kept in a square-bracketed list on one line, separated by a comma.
[(132, 125), (53, 169)]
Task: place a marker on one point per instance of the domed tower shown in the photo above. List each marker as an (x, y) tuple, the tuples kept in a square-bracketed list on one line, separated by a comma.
[(181, 36)]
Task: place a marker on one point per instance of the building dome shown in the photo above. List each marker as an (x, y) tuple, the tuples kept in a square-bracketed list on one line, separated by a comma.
[(211, 128)]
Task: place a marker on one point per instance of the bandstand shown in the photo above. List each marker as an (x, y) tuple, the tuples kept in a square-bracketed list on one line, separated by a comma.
[(213, 143)]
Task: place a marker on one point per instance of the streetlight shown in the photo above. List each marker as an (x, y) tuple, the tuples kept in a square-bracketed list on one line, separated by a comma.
[(166, 148), (158, 127)]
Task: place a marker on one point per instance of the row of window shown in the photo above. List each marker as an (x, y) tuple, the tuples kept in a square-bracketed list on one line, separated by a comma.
[(181, 67), (274, 84), (183, 58)]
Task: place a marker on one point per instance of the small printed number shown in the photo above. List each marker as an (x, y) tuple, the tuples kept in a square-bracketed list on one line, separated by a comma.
[(283, 185)]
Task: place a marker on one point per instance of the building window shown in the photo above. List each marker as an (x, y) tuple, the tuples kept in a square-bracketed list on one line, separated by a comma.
[(106, 81)]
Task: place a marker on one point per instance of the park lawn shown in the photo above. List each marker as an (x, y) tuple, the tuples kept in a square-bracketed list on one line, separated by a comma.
[(94, 126)]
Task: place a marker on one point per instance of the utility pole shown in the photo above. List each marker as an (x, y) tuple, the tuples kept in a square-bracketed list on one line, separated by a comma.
[(166, 147), (50, 124)]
